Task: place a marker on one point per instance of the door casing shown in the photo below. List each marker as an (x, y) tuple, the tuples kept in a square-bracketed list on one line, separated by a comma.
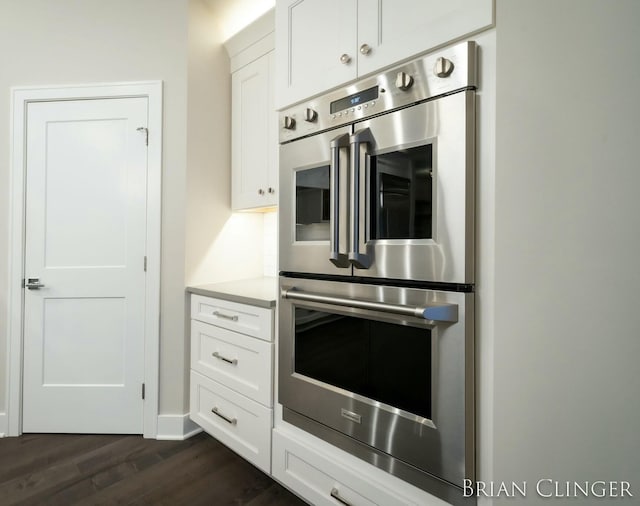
[(21, 97)]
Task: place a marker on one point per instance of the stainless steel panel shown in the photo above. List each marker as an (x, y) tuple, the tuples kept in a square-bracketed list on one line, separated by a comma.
[(312, 256), (426, 84), (449, 256), (443, 445)]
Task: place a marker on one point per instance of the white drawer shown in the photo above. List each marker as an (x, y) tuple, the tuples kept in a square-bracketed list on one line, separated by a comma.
[(251, 320), (241, 424), (316, 477), (240, 362)]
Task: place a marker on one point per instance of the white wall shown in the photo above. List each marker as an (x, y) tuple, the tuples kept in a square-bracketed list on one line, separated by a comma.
[(220, 246), (179, 42), (68, 41), (567, 324)]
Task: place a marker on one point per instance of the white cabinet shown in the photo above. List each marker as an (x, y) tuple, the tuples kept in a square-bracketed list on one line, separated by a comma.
[(231, 389), (322, 44), (253, 118), (323, 480)]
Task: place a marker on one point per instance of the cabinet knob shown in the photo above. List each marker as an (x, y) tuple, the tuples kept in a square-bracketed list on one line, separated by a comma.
[(443, 67), (365, 49), (289, 123), (271, 190), (345, 58), (260, 191), (404, 81)]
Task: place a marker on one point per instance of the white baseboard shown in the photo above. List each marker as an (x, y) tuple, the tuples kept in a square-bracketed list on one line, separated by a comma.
[(176, 427), (4, 425)]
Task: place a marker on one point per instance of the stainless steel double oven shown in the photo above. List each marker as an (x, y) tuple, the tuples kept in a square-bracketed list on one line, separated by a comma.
[(376, 323)]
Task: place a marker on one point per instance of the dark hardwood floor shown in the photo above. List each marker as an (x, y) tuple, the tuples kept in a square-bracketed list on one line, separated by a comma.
[(65, 469)]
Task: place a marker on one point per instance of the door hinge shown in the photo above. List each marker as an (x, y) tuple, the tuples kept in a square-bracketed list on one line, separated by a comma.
[(145, 264), (146, 134), (143, 391), (23, 282)]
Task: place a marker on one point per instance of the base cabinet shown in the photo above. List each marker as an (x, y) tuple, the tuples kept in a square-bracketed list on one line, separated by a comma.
[(231, 388), (238, 422), (321, 480)]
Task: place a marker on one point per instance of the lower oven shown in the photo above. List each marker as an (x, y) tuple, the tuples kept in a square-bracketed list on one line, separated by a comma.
[(384, 372)]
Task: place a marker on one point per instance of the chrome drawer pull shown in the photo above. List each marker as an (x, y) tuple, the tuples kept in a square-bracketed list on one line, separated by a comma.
[(335, 493), (233, 318), (232, 361), (232, 421)]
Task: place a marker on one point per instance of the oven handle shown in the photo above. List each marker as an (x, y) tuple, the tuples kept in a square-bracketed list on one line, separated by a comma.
[(442, 312), (337, 220), (357, 252)]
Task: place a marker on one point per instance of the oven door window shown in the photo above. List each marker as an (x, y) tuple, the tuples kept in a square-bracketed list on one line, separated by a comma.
[(401, 194), (384, 362), (312, 204)]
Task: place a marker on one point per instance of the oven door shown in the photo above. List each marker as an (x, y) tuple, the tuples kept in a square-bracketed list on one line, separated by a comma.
[(412, 193), (389, 370), (314, 178)]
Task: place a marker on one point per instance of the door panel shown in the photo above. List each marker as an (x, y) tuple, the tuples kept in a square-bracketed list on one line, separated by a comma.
[(416, 195), (399, 29), (405, 382), (85, 242), (307, 209), (311, 37)]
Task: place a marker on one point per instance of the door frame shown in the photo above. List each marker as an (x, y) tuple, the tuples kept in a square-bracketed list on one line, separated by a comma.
[(20, 98)]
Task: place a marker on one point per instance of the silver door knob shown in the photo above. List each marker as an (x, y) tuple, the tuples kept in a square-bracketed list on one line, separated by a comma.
[(260, 191), (404, 81), (365, 49), (310, 115), (345, 58), (289, 123), (33, 284), (443, 67), (271, 190)]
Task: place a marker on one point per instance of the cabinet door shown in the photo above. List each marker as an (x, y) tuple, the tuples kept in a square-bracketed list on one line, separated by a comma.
[(396, 30), (251, 147), (311, 37)]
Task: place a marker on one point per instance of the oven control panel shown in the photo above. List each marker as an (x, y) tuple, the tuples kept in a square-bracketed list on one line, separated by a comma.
[(418, 80)]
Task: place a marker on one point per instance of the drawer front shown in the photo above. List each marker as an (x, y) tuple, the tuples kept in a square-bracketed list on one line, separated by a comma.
[(240, 423), (323, 481), (240, 362), (250, 320)]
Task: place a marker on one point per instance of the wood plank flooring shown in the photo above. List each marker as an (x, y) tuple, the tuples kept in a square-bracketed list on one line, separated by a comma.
[(65, 469)]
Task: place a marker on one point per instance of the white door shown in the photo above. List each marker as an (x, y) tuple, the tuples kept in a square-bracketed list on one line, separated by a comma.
[(85, 242)]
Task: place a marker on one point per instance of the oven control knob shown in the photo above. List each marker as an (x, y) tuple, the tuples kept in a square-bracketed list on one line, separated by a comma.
[(443, 67), (289, 123), (403, 81), (310, 115)]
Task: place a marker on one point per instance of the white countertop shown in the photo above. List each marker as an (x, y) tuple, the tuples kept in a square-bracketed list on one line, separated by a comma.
[(261, 292)]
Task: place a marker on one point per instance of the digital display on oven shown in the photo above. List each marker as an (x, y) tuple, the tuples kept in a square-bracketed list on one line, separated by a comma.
[(354, 100)]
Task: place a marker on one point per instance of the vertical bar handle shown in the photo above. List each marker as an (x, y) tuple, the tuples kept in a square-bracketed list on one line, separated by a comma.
[(357, 249), (338, 221)]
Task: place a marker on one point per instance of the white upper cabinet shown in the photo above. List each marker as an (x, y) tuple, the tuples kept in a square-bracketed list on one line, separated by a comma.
[(316, 42), (254, 124), (322, 44)]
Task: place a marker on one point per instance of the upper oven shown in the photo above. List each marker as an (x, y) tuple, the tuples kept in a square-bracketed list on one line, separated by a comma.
[(377, 179)]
